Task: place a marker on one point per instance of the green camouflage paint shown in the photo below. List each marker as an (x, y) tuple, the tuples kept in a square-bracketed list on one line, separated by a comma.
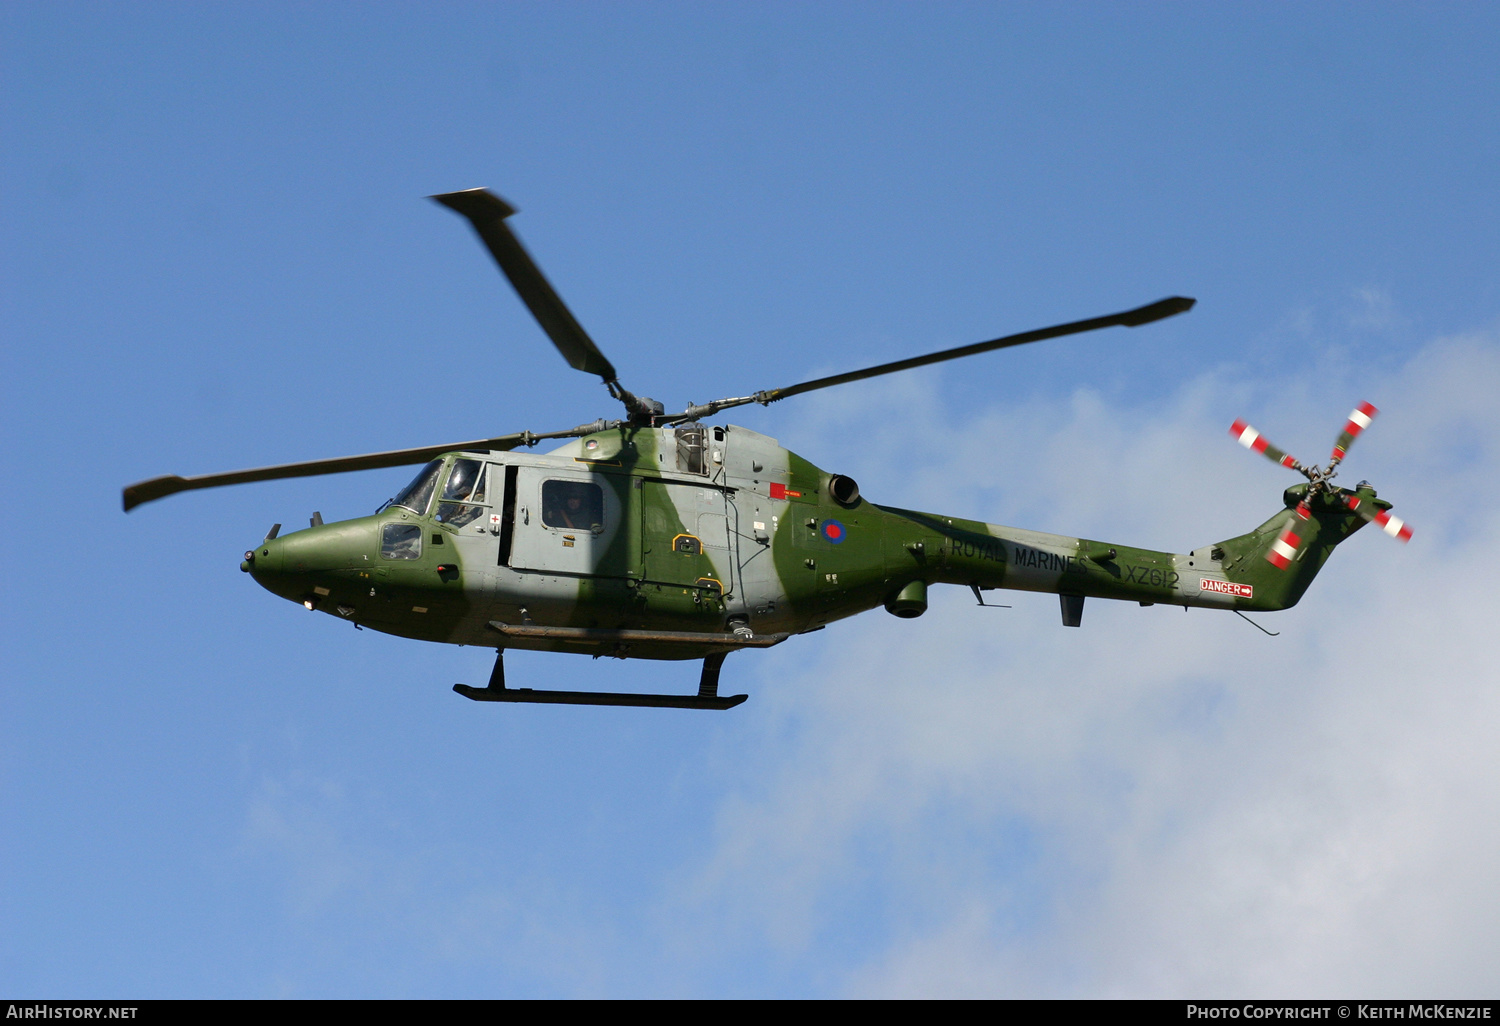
[(752, 535)]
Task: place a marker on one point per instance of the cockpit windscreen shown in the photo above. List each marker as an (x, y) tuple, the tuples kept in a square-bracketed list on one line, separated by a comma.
[(418, 494)]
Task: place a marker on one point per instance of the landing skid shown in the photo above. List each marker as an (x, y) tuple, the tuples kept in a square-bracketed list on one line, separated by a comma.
[(708, 696)]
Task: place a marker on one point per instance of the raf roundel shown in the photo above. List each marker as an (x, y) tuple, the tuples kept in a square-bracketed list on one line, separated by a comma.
[(833, 531)]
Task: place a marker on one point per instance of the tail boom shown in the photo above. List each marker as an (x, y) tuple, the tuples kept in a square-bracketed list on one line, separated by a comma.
[(1267, 569)]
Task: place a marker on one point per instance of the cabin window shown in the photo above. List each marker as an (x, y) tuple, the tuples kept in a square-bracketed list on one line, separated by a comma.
[(463, 494), (573, 505), (418, 494), (401, 541)]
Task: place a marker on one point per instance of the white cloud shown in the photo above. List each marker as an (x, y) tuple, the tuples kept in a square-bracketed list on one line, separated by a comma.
[(1374, 310), (1161, 803)]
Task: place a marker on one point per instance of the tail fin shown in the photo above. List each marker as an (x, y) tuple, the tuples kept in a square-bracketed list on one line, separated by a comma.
[(1280, 558)]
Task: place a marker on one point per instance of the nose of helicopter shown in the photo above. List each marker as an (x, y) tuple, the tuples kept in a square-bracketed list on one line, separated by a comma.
[(265, 564), (263, 560), (302, 565)]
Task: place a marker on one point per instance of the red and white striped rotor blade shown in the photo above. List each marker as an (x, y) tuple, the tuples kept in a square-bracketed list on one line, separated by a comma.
[(1253, 440), (1284, 549), (1358, 421), (1393, 526)]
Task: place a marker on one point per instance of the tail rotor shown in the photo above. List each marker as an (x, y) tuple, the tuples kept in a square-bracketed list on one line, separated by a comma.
[(1361, 500), (1284, 549), (1393, 526), (1358, 421), (1256, 442)]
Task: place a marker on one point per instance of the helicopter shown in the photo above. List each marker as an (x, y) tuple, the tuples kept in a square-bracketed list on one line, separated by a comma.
[(658, 536)]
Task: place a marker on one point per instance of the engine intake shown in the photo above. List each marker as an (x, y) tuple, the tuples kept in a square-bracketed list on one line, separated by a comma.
[(845, 491)]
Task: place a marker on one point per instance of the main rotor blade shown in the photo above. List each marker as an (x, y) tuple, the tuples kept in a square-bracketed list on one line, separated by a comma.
[(160, 487), (487, 213), (1129, 318)]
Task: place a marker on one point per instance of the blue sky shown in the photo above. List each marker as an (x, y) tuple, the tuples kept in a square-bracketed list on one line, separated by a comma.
[(218, 255)]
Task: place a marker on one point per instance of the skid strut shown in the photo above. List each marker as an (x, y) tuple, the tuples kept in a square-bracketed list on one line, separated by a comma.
[(708, 696)]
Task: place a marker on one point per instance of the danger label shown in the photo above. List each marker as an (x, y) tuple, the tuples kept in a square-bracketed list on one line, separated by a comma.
[(1226, 588)]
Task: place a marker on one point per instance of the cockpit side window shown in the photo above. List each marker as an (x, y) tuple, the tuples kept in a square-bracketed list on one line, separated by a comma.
[(463, 495), (418, 494), (401, 541)]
